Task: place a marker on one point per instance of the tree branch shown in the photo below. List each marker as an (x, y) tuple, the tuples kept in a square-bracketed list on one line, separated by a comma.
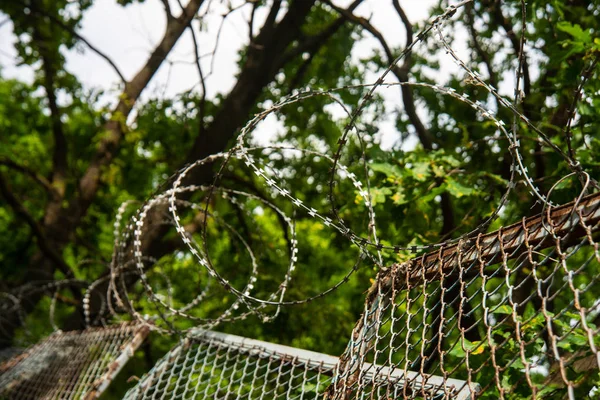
[(202, 105), (427, 141), (271, 18), (168, 9), (29, 172), (59, 155), (312, 43), (90, 182), (49, 55), (401, 73), (485, 57), (515, 42), (76, 35), (36, 229), (406, 22), (256, 73), (585, 75), (251, 188), (255, 5)]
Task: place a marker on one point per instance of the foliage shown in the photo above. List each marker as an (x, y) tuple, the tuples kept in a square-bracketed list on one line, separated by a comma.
[(467, 169)]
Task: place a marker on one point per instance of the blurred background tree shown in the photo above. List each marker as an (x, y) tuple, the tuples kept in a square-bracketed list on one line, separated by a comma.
[(67, 160)]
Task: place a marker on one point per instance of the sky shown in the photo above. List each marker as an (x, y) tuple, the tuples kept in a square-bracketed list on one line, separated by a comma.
[(128, 34)]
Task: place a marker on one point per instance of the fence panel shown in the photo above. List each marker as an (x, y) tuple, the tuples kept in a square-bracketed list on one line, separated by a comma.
[(515, 310), (71, 365)]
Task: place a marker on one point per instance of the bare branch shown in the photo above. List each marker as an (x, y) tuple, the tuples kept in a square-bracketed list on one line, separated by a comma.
[(347, 14), (506, 24), (59, 155), (401, 74), (251, 21), (48, 57), (257, 72), (585, 75), (405, 21), (484, 55), (168, 9), (202, 105), (29, 172), (311, 44), (36, 229), (108, 147), (76, 35), (408, 99), (270, 21)]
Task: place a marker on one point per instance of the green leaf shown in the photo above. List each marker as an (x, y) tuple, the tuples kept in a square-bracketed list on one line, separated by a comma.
[(421, 171), (399, 197), (379, 195), (503, 309), (576, 31), (458, 190), (430, 195), (546, 390), (465, 345), (535, 323), (386, 169)]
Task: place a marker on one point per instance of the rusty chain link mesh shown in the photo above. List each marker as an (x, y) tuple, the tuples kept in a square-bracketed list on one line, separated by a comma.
[(215, 365), (70, 365), (520, 300), (9, 352), (222, 366)]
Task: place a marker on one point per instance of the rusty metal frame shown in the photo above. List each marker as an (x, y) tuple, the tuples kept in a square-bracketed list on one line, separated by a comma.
[(567, 222), (89, 390), (329, 363), (116, 366)]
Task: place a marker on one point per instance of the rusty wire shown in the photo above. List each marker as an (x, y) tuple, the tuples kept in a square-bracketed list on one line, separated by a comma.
[(518, 301), (70, 365), (209, 364)]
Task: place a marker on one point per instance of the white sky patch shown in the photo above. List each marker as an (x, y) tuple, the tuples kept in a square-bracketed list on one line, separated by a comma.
[(128, 35)]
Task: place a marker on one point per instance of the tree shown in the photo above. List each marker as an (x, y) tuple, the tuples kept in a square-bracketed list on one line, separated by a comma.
[(70, 199), (64, 169)]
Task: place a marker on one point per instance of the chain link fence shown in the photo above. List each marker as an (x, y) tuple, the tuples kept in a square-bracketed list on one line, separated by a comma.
[(70, 365), (513, 312), (222, 366)]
